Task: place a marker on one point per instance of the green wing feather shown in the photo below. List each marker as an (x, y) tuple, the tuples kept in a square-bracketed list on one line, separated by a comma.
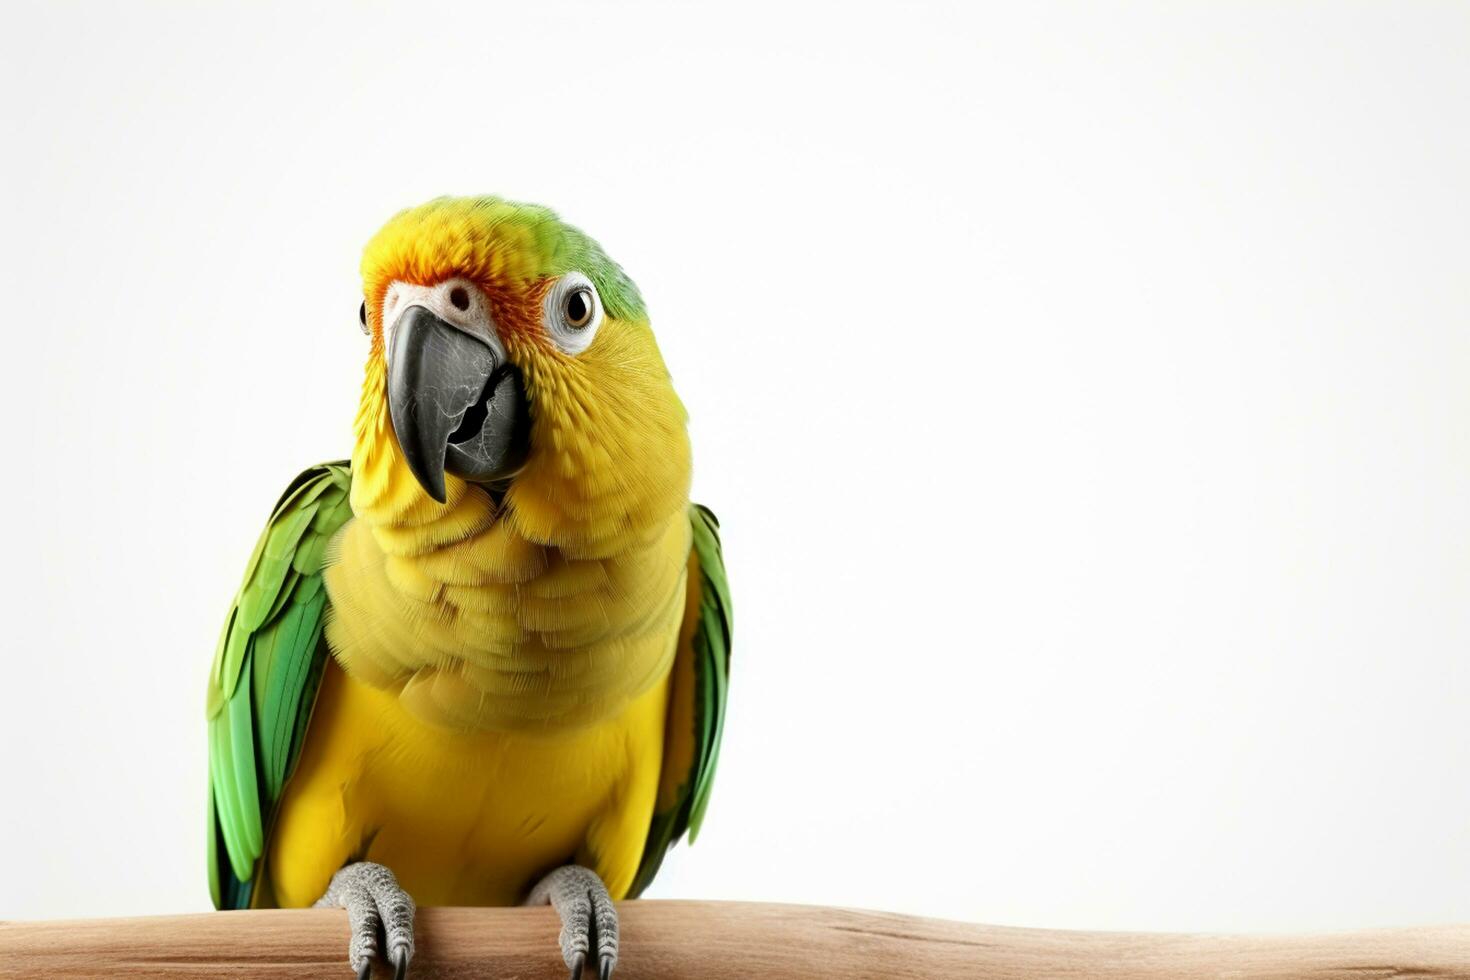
[(708, 653), (266, 670)]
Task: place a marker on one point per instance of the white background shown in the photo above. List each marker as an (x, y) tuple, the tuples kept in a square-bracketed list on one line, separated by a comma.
[(1084, 391)]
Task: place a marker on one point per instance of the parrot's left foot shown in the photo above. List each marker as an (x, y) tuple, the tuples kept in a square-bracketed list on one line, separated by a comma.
[(375, 905), (588, 917)]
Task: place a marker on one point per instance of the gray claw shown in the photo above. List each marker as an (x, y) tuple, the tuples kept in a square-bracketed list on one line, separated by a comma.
[(375, 906), (589, 920)]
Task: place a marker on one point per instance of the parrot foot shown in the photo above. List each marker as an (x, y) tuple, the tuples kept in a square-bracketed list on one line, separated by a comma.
[(588, 917), (375, 905)]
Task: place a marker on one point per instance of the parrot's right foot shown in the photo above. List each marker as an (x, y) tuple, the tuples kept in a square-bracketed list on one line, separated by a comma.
[(375, 905)]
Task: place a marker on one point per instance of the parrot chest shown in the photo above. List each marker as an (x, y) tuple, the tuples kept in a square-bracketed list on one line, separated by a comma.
[(463, 819), (483, 630), (492, 709)]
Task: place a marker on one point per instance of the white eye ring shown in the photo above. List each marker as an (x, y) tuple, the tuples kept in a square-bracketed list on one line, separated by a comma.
[(572, 313)]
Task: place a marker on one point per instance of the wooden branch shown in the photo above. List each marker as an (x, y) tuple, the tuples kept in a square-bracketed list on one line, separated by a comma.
[(680, 940)]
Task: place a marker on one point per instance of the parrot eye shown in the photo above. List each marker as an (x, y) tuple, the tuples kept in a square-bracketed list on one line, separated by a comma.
[(578, 308), (573, 313), (362, 316)]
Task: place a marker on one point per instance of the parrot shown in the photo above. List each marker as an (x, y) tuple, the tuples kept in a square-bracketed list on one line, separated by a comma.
[(485, 659)]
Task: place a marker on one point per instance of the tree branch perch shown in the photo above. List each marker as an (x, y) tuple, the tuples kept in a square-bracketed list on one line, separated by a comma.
[(717, 940)]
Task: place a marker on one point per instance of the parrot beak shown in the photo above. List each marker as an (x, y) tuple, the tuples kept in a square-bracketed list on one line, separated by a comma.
[(456, 406)]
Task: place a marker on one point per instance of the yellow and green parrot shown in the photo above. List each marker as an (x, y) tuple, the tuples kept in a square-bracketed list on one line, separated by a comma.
[(484, 662)]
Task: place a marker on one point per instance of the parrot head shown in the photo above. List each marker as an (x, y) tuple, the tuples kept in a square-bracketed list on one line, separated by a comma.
[(510, 358)]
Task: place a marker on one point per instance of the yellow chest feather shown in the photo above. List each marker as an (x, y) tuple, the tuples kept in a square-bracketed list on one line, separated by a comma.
[(494, 709), (478, 629)]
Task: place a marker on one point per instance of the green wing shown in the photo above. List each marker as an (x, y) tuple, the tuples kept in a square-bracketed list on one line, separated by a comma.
[(699, 685), (266, 669)]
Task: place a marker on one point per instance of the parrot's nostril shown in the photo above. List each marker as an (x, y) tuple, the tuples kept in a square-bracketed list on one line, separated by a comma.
[(459, 298)]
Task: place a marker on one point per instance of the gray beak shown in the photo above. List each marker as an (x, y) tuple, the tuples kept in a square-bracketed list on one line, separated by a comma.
[(455, 406)]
